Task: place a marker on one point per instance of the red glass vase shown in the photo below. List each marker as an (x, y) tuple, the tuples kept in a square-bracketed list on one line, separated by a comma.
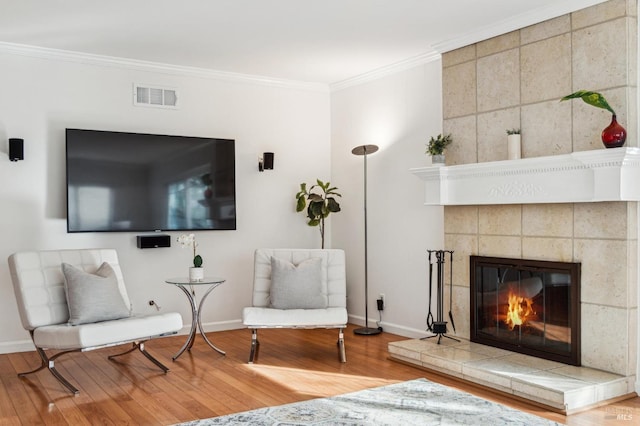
[(614, 135)]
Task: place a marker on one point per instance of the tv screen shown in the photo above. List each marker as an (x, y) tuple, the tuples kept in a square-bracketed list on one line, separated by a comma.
[(142, 182)]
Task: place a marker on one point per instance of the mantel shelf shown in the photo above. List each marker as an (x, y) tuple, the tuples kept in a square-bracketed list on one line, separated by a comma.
[(579, 177)]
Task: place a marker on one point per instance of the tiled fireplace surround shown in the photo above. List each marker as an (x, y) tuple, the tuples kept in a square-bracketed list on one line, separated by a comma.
[(515, 81), (581, 232)]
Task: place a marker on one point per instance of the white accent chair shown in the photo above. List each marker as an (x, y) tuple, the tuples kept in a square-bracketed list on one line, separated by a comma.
[(333, 281), (39, 288)]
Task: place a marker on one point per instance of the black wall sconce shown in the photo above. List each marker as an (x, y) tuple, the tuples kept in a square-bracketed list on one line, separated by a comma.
[(265, 162), (16, 149)]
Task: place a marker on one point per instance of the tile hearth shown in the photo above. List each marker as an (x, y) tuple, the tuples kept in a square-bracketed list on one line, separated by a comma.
[(562, 387)]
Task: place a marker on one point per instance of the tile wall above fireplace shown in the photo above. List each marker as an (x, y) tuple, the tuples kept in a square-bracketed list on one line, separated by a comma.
[(516, 81)]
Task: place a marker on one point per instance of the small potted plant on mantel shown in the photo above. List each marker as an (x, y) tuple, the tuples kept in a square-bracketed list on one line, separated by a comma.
[(614, 135), (436, 147), (513, 144)]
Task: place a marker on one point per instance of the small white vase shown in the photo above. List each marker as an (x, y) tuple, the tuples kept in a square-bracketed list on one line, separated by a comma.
[(437, 159), (513, 147), (196, 274)]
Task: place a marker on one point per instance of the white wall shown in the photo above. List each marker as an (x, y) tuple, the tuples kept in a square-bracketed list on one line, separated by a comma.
[(312, 133), (398, 113), (40, 97)]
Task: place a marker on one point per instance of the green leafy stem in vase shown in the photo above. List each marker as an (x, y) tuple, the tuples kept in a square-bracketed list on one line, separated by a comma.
[(614, 135)]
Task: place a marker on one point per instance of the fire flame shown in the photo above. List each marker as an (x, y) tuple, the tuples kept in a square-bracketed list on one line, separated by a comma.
[(519, 309)]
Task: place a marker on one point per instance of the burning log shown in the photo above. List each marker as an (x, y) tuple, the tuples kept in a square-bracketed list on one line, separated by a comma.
[(518, 310)]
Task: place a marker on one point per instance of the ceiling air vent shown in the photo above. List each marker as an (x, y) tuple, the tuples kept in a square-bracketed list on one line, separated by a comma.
[(160, 97)]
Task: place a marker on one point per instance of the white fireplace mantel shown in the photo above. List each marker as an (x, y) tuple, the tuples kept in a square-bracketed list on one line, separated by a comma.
[(579, 177)]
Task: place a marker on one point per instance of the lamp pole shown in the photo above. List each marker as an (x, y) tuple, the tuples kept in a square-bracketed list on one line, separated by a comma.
[(365, 150)]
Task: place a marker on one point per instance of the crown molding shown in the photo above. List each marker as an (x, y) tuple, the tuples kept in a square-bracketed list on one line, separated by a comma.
[(148, 66), (515, 23), (491, 30), (386, 70)]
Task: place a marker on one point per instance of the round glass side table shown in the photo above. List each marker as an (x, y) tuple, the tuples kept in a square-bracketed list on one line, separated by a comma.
[(186, 286)]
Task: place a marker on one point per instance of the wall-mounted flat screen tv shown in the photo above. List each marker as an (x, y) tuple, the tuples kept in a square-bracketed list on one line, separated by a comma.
[(119, 182)]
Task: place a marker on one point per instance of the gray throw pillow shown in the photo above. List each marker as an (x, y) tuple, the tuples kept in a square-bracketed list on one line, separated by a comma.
[(297, 286), (93, 297)]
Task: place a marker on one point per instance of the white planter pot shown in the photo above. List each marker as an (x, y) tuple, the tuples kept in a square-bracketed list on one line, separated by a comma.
[(437, 159), (196, 274), (513, 147)]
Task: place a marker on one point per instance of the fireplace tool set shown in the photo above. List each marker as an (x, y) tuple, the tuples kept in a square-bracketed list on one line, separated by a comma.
[(439, 326)]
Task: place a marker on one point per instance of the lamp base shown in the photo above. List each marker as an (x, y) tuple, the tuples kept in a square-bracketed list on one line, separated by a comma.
[(367, 331)]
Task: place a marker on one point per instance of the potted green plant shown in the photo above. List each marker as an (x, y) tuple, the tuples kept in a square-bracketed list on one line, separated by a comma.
[(320, 202), (513, 144), (614, 135), (436, 147)]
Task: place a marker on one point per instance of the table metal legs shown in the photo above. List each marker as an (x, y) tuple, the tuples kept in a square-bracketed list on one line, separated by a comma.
[(196, 322), (202, 333)]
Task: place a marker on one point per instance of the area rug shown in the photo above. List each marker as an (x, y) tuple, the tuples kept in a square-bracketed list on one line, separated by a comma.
[(416, 402)]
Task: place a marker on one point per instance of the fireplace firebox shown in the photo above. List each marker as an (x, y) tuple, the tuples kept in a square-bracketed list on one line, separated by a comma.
[(527, 306)]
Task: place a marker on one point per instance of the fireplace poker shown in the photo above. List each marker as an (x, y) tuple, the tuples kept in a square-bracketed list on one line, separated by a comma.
[(439, 326), (430, 315), (453, 325)]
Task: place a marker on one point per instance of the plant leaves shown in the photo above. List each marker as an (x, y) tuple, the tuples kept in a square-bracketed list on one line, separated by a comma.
[(592, 98), (333, 205), (301, 204), (318, 204), (437, 145), (315, 207)]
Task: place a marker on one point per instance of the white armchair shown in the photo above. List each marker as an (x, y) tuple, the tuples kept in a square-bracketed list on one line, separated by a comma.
[(39, 286), (298, 288)]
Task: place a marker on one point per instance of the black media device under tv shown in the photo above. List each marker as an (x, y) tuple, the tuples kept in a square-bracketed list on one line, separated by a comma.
[(153, 241), (134, 182)]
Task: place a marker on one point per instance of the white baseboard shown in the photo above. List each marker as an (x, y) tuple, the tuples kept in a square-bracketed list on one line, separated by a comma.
[(210, 327), (400, 330), (16, 346)]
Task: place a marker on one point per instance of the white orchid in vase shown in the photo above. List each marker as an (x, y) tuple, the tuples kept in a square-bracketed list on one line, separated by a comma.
[(189, 240)]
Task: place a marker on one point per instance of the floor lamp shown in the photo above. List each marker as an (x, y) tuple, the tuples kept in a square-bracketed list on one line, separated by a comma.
[(365, 150)]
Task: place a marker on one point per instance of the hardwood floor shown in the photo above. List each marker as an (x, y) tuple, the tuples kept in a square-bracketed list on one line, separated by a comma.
[(293, 365)]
